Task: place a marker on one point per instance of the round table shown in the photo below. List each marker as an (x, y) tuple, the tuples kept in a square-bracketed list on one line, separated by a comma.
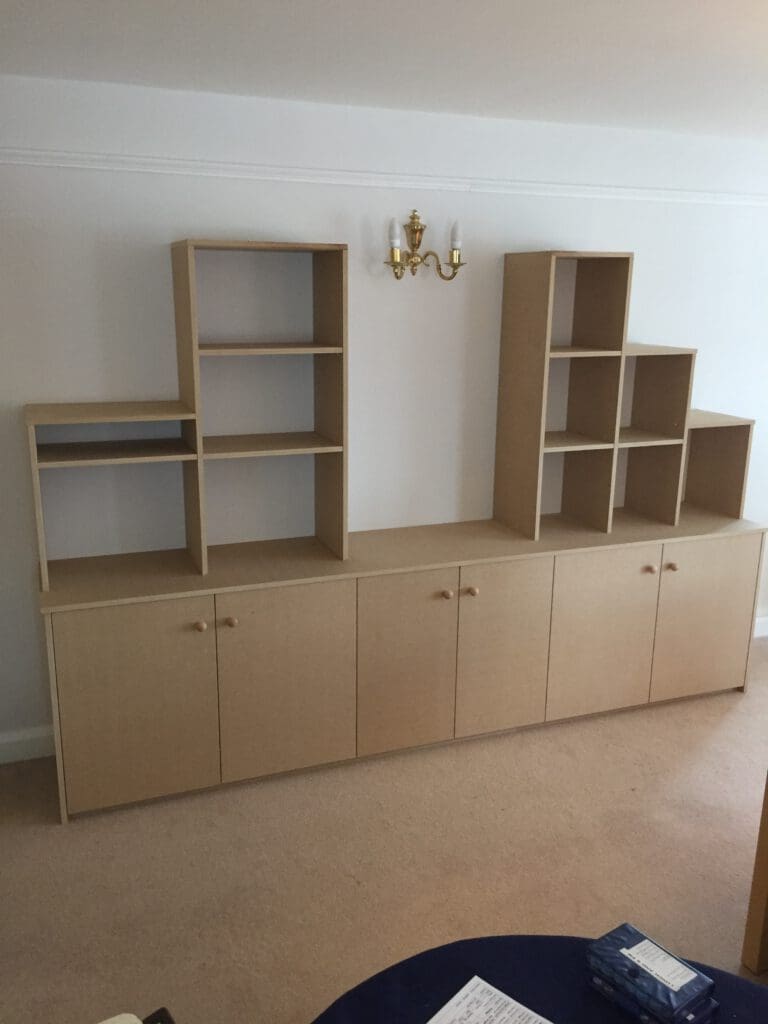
[(546, 973)]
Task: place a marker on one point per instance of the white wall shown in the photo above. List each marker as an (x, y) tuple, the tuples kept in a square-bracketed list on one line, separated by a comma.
[(96, 180)]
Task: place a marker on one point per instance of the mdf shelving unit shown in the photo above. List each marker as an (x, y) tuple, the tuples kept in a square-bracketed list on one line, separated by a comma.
[(181, 669), (594, 424), (186, 443)]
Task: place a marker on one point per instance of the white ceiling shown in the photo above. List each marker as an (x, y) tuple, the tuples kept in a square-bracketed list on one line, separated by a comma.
[(685, 65)]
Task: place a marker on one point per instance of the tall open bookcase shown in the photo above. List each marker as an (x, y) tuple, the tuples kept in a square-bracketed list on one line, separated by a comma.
[(593, 429), (96, 434)]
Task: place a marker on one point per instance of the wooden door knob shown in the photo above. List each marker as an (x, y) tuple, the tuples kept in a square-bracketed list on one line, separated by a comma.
[(201, 626), (652, 569), (232, 621), (673, 566), (473, 591), (447, 594)]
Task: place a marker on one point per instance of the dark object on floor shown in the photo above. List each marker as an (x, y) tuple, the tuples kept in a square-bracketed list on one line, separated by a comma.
[(160, 1016), (544, 972)]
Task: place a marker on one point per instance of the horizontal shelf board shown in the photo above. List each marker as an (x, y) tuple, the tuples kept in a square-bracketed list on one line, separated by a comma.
[(110, 453), (242, 446), (700, 418), (581, 352), (570, 441), (118, 579), (634, 437), (266, 348), (636, 349), (233, 245), (576, 254), (106, 412)]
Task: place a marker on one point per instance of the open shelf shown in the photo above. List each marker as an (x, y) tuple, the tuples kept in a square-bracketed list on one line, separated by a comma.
[(266, 348), (656, 395), (648, 481), (701, 419), (582, 404), (636, 437), (116, 579), (634, 348), (105, 509), (589, 303), (716, 463), (106, 412), (109, 453), (570, 441), (270, 300), (579, 352), (577, 484), (234, 446)]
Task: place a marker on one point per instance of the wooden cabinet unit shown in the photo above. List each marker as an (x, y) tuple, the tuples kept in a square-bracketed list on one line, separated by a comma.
[(286, 678), (603, 617), (501, 669), (706, 612), (406, 659), (616, 570), (138, 707)]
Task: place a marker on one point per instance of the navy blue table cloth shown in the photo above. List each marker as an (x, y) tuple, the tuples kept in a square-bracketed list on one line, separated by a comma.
[(546, 973)]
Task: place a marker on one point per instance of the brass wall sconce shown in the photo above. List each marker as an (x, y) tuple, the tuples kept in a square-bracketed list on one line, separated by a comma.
[(411, 259)]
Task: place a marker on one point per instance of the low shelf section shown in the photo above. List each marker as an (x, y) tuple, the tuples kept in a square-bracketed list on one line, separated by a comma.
[(141, 576), (82, 435)]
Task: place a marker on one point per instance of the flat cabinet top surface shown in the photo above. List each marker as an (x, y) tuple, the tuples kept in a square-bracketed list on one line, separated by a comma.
[(118, 579)]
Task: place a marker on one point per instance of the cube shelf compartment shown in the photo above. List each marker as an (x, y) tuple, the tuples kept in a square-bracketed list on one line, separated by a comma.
[(587, 422), (590, 297), (82, 435), (576, 485), (582, 401), (648, 481), (657, 391), (717, 461)]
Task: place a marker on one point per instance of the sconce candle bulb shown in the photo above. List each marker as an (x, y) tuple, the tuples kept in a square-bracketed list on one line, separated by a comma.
[(411, 259)]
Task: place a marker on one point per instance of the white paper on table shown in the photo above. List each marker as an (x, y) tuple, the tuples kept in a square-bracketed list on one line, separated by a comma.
[(481, 1003)]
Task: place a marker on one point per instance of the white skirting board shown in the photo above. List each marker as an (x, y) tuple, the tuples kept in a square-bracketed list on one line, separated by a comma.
[(28, 744)]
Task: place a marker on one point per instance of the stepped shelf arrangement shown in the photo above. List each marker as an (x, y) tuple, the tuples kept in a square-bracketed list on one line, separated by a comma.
[(592, 429), (617, 570)]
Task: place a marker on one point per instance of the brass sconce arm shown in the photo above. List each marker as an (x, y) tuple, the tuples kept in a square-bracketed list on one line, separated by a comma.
[(411, 259)]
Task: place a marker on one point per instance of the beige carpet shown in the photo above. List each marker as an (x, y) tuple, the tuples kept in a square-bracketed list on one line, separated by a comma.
[(265, 901)]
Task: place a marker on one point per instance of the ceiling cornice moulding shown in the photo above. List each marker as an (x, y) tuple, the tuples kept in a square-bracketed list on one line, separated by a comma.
[(138, 164)]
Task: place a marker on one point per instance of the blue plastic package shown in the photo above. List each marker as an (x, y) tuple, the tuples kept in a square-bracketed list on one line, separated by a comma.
[(647, 979)]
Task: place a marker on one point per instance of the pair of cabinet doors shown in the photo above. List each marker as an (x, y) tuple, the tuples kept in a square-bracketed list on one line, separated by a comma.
[(167, 696)]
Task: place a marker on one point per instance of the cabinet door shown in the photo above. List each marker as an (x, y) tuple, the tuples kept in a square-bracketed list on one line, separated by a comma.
[(706, 606), (504, 618), (603, 618), (286, 677), (137, 700), (406, 669)]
